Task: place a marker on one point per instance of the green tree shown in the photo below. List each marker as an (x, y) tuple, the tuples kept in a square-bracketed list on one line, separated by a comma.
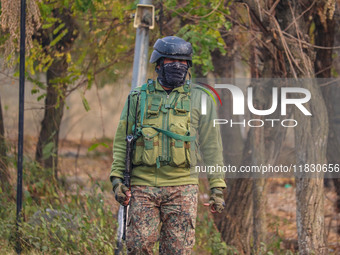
[(192, 19), (56, 42), (9, 39), (78, 40)]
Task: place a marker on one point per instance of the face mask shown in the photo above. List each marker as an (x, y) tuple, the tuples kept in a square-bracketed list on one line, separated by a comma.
[(172, 75)]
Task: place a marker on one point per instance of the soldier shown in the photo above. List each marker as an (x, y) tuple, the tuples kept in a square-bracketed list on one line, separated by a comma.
[(169, 127)]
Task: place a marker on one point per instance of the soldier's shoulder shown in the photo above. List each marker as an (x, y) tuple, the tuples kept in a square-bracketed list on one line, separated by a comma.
[(144, 86), (198, 90), (135, 91)]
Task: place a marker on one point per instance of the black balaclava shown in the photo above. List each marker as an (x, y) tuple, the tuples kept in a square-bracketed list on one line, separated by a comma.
[(171, 75)]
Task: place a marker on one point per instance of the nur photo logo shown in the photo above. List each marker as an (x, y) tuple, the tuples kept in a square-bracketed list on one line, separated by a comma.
[(280, 99)]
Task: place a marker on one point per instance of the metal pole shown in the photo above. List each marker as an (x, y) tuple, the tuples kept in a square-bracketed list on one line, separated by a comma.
[(21, 118), (138, 78), (141, 54)]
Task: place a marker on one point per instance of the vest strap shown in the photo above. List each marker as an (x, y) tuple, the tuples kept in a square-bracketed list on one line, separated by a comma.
[(165, 132), (175, 136), (143, 101)]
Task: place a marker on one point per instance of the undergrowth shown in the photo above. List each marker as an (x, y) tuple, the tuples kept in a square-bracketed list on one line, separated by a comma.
[(56, 220)]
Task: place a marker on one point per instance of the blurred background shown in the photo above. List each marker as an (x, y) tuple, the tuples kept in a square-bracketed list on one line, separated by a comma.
[(79, 71)]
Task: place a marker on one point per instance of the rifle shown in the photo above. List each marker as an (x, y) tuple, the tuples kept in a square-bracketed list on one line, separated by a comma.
[(123, 210), (127, 174)]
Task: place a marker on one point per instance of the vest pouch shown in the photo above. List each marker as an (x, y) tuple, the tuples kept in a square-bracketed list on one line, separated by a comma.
[(182, 106), (191, 149), (177, 147), (138, 152), (188, 152), (154, 105), (151, 146)]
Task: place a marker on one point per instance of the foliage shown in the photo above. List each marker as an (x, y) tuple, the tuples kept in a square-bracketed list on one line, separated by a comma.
[(10, 23), (57, 222), (60, 220), (208, 238), (199, 18), (92, 36), (104, 40)]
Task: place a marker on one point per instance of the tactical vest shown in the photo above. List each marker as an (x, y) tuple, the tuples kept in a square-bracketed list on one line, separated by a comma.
[(163, 127)]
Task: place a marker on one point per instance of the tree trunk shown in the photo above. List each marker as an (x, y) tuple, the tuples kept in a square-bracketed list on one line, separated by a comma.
[(224, 67), (311, 132), (259, 190), (47, 147), (260, 100), (266, 141), (332, 132), (324, 36), (237, 221), (310, 136), (259, 215), (4, 174), (235, 224)]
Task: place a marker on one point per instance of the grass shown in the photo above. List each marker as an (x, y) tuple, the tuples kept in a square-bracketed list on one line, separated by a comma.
[(57, 220)]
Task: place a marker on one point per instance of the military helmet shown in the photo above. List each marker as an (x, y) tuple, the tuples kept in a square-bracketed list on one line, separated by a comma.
[(172, 47)]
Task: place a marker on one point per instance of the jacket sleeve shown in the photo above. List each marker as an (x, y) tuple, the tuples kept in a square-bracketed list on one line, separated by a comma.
[(211, 145), (119, 144)]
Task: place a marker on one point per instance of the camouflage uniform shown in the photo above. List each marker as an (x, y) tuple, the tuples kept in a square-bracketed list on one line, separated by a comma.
[(174, 206), (171, 134)]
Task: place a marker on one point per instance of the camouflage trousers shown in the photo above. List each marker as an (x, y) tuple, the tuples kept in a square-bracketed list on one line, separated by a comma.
[(174, 207)]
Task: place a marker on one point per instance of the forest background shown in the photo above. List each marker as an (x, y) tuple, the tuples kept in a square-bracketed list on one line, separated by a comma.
[(78, 72)]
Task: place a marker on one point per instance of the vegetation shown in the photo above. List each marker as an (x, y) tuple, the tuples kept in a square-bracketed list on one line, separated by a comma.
[(75, 45), (58, 220)]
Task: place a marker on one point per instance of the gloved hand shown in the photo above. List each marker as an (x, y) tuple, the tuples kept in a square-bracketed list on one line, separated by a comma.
[(216, 201), (122, 193)]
